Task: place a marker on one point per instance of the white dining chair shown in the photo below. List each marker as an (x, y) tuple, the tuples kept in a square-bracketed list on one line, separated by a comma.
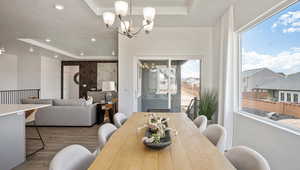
[(244, 158), (73, 157), (201, 122), (119, 119), (217, 135), (104, 133)]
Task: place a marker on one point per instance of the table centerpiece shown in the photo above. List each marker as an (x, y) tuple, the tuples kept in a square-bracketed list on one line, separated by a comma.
[(158, 133)]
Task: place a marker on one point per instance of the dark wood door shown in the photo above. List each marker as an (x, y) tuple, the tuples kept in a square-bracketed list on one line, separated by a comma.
[(88, 77)]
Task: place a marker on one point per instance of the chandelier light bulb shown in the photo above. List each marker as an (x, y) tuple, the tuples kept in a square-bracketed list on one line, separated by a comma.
[(121, 8), (108, 18), (149, 13)]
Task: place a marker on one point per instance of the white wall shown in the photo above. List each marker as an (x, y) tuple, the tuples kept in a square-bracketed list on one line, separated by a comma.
[(50, 77), (280, 147), (8, 72), (162, 42), (29, 70)]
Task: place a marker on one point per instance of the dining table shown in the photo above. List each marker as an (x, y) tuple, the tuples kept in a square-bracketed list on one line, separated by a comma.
[(190, 150)]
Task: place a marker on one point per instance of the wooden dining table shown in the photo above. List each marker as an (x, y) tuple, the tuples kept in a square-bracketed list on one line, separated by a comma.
[(190, 150)]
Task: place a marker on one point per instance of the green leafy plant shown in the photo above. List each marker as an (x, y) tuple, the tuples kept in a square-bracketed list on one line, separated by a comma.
[(208, 104)]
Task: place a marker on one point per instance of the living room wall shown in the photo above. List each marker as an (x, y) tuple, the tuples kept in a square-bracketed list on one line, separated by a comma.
[(50, 77), (8, 72), (30, 71)]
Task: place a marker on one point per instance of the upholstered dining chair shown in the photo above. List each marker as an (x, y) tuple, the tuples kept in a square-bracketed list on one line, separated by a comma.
[(217, 135), (201, 122), (73, 157), (244, 158), (104, 133), (119, 119)]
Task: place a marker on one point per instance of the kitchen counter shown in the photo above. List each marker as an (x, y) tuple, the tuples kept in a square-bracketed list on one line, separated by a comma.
[(8, 109), (12, 133)]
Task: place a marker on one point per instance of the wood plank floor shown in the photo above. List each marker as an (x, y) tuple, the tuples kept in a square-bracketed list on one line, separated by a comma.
[(55, 139)]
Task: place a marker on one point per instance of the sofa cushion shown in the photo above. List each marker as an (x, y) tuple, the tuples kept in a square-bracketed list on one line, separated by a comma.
[(69, 102), (37, 101)]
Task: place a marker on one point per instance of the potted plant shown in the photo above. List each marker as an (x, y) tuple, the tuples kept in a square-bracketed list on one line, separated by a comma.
[(208, 104)]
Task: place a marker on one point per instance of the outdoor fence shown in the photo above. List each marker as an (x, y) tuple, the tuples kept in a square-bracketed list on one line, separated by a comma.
[(292, 109)]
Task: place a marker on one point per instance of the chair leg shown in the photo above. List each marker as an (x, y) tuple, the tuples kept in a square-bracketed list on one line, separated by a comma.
[(39, 138)]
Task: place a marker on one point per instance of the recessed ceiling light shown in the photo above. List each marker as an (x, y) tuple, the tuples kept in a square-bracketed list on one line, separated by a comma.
[(56, 56), (2, 50), (93, 39), (59, 7), (81, 53), (47, 40), (31, 49)]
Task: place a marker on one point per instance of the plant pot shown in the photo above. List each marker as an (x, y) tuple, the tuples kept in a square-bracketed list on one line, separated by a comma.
[(210, 122)]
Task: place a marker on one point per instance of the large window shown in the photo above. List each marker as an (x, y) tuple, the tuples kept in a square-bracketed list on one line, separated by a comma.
[(270, 78)]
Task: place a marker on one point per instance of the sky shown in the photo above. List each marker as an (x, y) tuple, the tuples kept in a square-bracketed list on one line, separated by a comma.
[(190, 69), (274, 43)]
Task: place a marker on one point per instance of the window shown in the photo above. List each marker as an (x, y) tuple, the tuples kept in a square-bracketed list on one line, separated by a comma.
[(295, 98), (270, 62), (288, 97), (282, 97)]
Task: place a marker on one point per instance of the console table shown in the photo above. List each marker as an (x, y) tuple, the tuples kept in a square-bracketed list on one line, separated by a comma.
[(103, 108)]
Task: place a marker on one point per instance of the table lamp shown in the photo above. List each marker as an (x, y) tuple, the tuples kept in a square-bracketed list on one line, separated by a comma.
[(109, 87)]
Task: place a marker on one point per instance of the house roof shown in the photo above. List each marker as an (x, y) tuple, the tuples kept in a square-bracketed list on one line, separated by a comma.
[(291, 82), (249, 73)]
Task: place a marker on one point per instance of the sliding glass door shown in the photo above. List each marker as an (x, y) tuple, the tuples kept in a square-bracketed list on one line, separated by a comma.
[(187, 82), (169, 84)]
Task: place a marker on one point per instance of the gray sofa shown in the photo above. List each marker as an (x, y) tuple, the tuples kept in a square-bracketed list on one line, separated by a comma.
[(64, 112)]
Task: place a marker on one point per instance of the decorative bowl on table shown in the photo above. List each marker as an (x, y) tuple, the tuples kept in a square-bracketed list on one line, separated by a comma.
[(159, 144), (158, 134)]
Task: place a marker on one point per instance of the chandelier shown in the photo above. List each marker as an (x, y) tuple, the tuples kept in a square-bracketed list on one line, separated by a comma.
[(126, 23)]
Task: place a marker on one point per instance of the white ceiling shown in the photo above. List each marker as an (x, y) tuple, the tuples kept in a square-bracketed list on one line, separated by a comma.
[(71, 29)]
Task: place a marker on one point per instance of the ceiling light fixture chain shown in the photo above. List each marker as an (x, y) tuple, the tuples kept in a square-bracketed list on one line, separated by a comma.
[(126, 27)]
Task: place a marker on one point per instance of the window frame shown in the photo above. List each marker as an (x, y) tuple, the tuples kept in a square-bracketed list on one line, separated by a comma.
[(263, 17)]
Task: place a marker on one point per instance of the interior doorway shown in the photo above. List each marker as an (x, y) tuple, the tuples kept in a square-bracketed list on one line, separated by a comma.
[(71, 81)]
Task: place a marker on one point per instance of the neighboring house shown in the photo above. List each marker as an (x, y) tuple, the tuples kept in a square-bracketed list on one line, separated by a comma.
[(192, 81), (256, 77), (283, 89)]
